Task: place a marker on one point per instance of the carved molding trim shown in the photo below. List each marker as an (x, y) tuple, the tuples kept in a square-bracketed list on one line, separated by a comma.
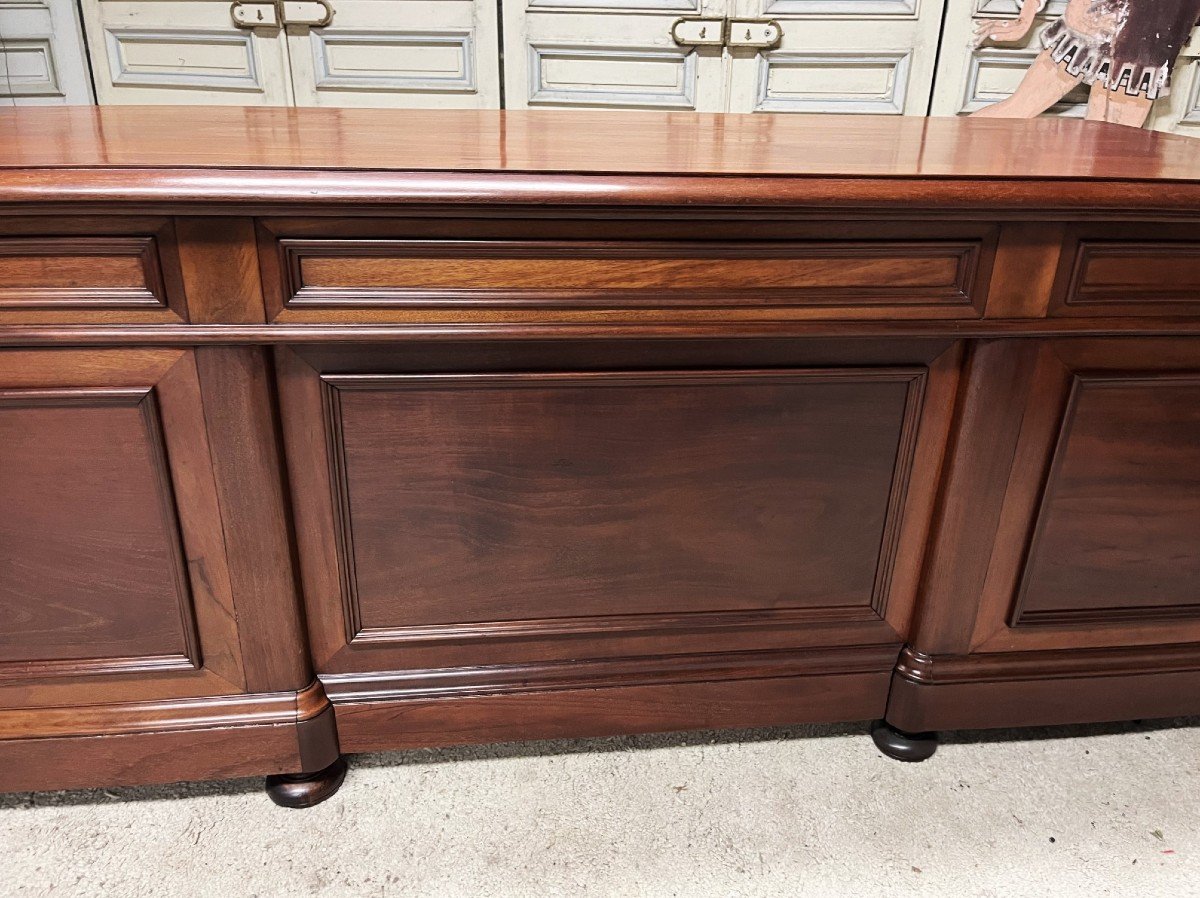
[(207, 712), (1000, 667), (603, 673), (150, 294), (116, 39)]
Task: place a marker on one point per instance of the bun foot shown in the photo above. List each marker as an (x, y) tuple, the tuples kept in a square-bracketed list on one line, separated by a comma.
[(901, 745), (303, 790)]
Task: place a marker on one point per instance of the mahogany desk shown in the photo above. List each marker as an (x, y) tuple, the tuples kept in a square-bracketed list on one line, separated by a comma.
[(330, 431)]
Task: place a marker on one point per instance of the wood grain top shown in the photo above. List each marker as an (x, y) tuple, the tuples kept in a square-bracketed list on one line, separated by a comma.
[(586, 142)]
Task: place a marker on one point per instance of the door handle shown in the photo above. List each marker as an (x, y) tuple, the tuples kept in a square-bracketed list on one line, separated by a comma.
[(313, 13), (758, 34), (273, 13), (254, 15), (698, 31)]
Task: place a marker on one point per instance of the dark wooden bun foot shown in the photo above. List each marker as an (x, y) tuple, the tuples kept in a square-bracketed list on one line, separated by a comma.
[(303, 790), (901, 745)]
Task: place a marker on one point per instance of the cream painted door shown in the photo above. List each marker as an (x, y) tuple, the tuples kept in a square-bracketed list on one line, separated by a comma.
[(838, 56), (970, 78), (1179, 111), (183, 51), (439, 53), (42, 61), (610, 53)]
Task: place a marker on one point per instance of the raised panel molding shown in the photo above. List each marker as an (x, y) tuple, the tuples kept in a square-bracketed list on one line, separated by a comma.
[(1191, 109), (143, 400), (669, 623), (1131, 508), (1009, 66), (617, 5), (236, 69), (822, 82), (459, 77), (38, 271), (843, 8), (27, 69), (551, 81)]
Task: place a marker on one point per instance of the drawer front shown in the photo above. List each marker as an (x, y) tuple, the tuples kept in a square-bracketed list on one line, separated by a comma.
[(591, 271), (90, 271), (1147, 270)]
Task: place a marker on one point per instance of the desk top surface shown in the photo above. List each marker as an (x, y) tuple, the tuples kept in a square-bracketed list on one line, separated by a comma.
[(587, 142)]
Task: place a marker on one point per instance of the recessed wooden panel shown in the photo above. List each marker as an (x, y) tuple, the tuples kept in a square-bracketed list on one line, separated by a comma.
[(79, 271), (1137, 277), (82, 274), (91, 567), (551, 504), (1118, 533), (550, 274)]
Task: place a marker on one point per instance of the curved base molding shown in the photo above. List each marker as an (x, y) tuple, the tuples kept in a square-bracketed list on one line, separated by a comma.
[(137, 743), (1046, 688)]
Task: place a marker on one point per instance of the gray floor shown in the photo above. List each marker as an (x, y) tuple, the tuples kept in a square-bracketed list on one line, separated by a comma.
[(812, 811)]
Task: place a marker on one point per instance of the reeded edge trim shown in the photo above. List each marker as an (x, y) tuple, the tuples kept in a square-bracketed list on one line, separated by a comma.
[(999, 667), (631, 671), (255, 709)]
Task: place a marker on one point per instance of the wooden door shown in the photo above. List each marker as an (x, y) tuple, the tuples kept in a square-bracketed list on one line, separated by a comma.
[(410, 53), (42, 61), (836, 56), (183, 51), (614, 53)]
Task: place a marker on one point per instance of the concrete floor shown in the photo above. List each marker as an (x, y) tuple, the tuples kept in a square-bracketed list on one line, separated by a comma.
[(808, 811)]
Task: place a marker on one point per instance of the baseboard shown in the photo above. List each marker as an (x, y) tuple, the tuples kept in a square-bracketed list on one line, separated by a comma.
[(137, 743), (1017, 689), (420, 709)]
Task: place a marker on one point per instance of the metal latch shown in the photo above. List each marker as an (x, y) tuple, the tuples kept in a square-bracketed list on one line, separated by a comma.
[(697, 31), (258, 14), (759, 34)]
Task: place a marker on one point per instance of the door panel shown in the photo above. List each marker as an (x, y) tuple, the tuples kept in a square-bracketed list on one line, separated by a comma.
[(175, 51), (42, 61), (1097, 532), (111, 553), (517, 505), (410, 53), (615, 54), (839, 56)]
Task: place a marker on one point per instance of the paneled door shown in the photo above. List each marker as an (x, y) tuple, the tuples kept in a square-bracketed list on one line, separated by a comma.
[(439, 53), (42, 62), (833, 56), (185, 51), (615, 53), (298, 52)]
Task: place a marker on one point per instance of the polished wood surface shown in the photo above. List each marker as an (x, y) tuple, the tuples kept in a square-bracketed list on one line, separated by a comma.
[(580, 141), (329, 431)]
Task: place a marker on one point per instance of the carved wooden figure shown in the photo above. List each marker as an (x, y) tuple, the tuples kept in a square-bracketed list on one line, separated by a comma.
[(1122, 49)]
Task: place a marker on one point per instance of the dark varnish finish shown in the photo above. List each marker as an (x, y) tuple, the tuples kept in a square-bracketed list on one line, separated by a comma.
[(337, 431)]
